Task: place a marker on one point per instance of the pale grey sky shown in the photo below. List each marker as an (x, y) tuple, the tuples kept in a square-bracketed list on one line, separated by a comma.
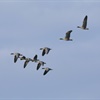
[(26, 26)]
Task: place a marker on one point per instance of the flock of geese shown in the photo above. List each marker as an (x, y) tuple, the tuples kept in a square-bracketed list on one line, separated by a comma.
[(46, 50), (35, 59), (84, 27)]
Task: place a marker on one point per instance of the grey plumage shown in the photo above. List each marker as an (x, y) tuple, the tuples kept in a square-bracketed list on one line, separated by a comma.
[(23, 58), (45, 50), (84, 24), (27, 60), (40, 63), (67, 36), (35, 59), (46, 70), (16, 56)]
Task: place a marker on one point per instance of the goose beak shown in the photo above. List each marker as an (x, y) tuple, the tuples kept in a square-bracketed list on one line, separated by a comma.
[(11, 53), (78, 26), (40, 48)]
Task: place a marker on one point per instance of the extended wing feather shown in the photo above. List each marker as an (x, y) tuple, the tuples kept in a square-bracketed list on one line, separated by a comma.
[(85, 22), (15, 58), (25, 63), (45, 72), (47, 50), (43, 52), (35, 57), (68, 34), (38, 66)]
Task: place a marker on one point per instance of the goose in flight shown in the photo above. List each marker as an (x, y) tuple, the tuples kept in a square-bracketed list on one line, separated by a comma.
[(35, 58), (27, 60), (45, 50), (40, 63), (22, 58), (84, 25), (46, 70), (16, 56), (67, 36)]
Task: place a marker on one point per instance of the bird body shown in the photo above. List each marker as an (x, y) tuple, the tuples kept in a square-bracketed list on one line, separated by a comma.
[(46, 70), (16, 56), (84, 25), (67, 36), (45, 50), (35, 58), (40, 63), (27, 60), (23, 58)]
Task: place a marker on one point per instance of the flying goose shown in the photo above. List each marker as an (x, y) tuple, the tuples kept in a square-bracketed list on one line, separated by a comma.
[(27, 60), (22, 58), (67, 36), (45, 50), (16, 56), (40, 63), (84, 24), (35, 58), (46, 70)]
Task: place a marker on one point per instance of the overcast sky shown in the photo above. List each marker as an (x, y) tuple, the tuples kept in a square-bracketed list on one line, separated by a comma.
[(26, 26)]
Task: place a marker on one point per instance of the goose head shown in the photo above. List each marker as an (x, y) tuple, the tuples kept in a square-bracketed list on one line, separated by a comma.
[(61, 39), (12, 53), (78, 27), (41, 48)]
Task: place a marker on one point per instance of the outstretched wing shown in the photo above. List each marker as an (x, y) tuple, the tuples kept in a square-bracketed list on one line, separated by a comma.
[(15, 58), (47, 50), (85, 22), (43, 52), (38, 66), (45, 72), (35, 57), (68, 34), (25, 63)]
